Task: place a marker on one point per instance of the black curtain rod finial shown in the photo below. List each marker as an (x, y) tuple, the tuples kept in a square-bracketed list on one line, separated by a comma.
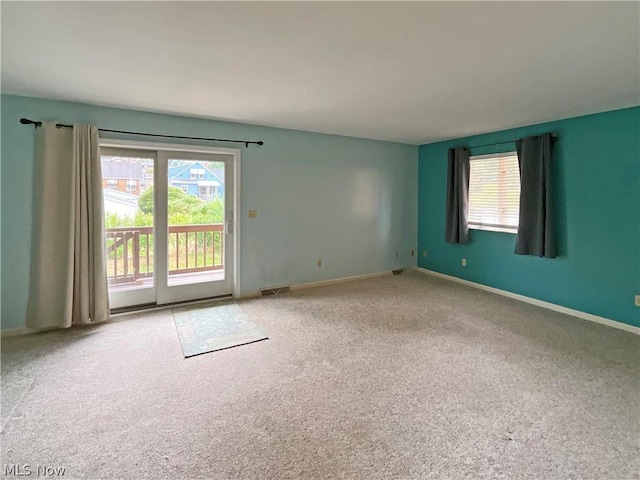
[(26, 121)]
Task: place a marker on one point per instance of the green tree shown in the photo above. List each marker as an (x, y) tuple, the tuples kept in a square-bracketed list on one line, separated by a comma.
[(184, 209), (145, 201)]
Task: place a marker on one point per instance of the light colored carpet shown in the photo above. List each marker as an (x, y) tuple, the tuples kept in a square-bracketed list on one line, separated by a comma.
[(397, 377), (207, 328)]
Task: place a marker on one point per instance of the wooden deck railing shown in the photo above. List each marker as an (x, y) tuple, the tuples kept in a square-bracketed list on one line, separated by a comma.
[(192, 248)]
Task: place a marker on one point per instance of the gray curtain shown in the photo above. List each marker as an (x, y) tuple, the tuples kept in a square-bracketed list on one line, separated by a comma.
[(536, 233), (68, 264), (457, 223)]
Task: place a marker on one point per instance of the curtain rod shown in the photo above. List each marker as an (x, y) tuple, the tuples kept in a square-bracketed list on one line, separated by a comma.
[(553, 137), (26, 121)]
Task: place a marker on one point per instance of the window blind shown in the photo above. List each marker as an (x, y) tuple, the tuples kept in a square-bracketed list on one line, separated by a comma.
[(494, 191)]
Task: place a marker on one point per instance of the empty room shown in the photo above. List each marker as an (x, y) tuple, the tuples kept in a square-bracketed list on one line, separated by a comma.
[(315, 240)]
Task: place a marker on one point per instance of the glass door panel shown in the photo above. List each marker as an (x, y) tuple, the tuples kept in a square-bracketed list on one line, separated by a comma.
[(127, 186), (196, 221), (198, 206)]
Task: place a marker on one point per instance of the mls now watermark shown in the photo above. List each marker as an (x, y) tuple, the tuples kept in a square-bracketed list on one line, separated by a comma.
[(27, 470)]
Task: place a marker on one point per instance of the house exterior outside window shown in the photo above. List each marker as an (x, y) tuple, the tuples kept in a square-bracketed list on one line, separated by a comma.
[(201, 179), (122, 176)]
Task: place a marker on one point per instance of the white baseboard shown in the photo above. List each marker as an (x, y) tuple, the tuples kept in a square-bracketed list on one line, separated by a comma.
[(540, 303), (534, 301), (324, 283), (14, 332)]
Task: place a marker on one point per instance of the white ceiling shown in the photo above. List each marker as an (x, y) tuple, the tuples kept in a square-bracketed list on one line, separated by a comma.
[(412, 72)]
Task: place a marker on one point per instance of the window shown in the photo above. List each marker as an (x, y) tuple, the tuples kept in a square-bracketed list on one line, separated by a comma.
[(196, 173), (494, 192)]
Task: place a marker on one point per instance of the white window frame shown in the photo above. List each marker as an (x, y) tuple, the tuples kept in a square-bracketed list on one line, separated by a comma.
[(491, 228)]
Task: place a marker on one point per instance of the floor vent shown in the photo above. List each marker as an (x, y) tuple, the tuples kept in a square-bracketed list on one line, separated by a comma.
[(264, 292), (396, 272)]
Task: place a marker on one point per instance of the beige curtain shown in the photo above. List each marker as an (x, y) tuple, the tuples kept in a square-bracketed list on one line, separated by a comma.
[(68, 264)]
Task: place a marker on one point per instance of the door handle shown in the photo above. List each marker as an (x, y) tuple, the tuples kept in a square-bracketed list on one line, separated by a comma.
[(230, 224)]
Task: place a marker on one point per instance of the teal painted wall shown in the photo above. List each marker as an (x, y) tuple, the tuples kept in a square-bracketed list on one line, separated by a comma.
[(597, 192), (348, 201)]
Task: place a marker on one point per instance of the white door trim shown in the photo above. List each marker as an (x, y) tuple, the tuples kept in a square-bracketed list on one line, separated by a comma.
[(237, 221), (236, 153)]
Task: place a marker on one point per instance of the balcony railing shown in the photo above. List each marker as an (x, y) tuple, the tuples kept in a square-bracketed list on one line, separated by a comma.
[(192, 248)]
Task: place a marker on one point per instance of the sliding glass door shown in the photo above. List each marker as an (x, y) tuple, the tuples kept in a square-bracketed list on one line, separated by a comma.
[(169, 220)]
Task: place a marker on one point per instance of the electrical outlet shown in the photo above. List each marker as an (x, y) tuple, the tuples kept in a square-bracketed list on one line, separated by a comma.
[(253, 213), (319, 263), (464, 262), (424, 254), (413, 253), (637, 300)]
